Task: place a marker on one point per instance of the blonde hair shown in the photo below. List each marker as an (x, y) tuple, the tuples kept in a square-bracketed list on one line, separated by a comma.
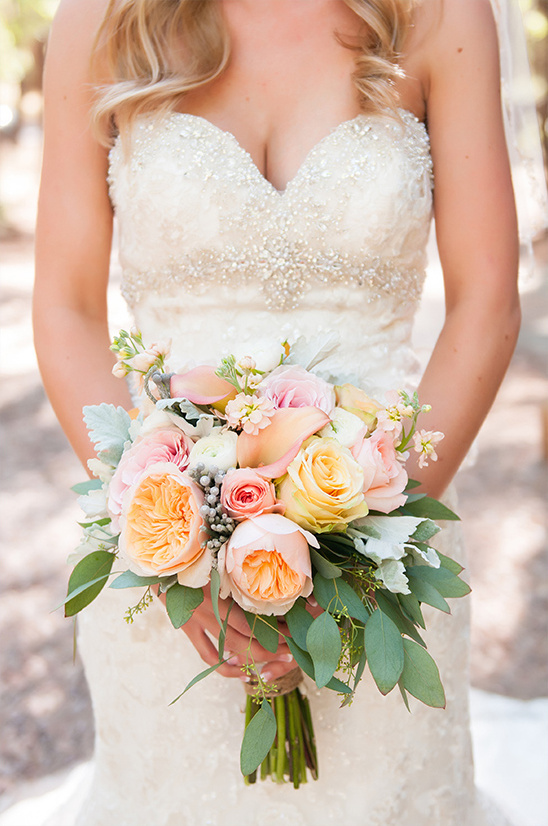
[(139, 47)]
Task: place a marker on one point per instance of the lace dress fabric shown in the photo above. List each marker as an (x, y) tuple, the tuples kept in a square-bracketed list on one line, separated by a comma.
[(214, 256)]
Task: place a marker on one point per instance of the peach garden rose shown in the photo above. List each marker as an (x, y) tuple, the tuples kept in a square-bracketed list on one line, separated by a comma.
[(265, 565), (160, 527), (168, 444)]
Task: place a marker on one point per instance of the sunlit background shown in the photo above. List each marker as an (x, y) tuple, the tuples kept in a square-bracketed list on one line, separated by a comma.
[(45, 717)]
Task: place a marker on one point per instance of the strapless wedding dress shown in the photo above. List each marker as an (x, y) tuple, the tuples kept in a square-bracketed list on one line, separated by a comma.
[(214, 256)]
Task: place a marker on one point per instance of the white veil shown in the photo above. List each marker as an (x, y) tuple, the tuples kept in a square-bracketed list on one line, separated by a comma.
[(521, 124)]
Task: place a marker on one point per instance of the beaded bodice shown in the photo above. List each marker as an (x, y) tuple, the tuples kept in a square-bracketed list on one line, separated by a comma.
[(208, 246)]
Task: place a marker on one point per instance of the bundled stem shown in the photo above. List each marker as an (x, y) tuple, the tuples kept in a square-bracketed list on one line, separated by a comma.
[(294, 748)]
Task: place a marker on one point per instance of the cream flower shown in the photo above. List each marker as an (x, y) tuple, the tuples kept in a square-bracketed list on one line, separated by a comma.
[(251, 413), (323, 488), (217, 450), (425, 444)]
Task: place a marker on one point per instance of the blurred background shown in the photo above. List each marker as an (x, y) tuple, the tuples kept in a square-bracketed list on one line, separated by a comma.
[(45, 716)]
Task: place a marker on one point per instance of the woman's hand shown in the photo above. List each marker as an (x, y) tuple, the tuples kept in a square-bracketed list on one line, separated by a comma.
[(239, 649)]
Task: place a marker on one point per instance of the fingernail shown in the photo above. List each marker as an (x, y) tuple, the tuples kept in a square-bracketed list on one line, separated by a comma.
[(286, 658), (244, 678), (266, 675), (312, 602)]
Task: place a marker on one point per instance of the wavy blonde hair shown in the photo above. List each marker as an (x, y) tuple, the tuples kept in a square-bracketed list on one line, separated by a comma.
[(139, 46)]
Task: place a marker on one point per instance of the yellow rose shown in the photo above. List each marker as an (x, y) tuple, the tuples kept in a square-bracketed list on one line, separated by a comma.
[(323, 487), (357, 402)]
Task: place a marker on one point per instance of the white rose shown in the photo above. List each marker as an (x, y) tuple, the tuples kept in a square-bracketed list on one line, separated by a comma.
[(217, 450), (345, 427), (265, 358)]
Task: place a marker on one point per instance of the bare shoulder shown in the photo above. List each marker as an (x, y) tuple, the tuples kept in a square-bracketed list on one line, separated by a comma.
[(73, 34), (449, 30)]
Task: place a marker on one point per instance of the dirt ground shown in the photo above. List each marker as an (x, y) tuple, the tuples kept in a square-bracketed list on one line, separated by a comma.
[(45, 714)]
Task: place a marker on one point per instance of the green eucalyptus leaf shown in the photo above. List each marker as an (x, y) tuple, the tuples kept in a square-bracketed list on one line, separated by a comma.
[(425, 591), (181, 602), (265, 630), (391, 607), (351, 601), (443, 580), (412, 483), (299, 621), (384, 649), (302, 658), (323, 566), (323, 642), (325, 592), (450, 564), (201, 676), (360, 669), (130, 580), (430, 508), (403, 693), (411, 608), (215, 587), (87, 580), (420, 676), (258, 739)]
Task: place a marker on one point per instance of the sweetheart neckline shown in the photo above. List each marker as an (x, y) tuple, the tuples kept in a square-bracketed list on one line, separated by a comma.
[(408, 118)]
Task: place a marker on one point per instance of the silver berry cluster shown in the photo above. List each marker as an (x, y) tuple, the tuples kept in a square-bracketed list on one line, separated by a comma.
[(218, 523)]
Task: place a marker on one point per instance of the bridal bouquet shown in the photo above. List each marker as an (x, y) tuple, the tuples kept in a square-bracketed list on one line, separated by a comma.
[(287, 495)]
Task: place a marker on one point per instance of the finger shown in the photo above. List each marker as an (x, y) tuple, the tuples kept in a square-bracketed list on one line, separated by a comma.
[(276, 669), (209, 653)]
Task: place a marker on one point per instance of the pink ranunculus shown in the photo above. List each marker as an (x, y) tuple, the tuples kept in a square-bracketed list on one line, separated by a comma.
[(292, 386), (244, 494), (165, 445), (385, 478), (265, 565)]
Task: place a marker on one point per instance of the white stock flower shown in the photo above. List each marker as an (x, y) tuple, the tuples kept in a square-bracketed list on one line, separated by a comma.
[(101, 470), (345, 427), (425, 444), (94, 503), (95, 538), (266, 358), (216, 450)]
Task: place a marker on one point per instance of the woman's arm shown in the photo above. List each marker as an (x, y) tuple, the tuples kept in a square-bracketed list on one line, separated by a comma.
[(475, 226), (73, 233), (72, 265)]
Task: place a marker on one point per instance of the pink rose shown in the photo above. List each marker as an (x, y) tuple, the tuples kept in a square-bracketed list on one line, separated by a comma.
[(244, 494), (292, 386), (385, 477), (166, 445), (265, 564)]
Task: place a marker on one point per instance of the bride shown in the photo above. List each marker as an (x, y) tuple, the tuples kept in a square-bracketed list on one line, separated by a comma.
[(273, 165)]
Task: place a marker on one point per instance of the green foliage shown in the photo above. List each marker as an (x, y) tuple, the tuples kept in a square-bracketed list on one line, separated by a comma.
[(130, 580), (87, 580), (299, 621), (323, 641), (420, 676), (83, 488), (258, 739), (384, 650), (181, 602), (323, 566), (424, 591), (430, 508), (108, 430), (265, 630)]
